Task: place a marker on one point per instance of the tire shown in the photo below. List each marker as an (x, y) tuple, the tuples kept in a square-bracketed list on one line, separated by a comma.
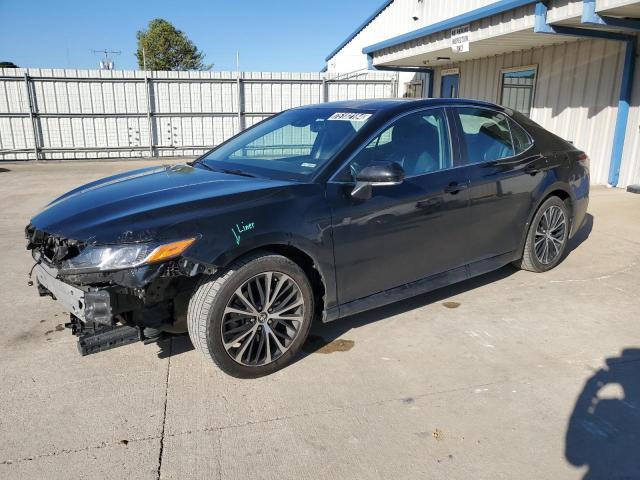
[(218, 315), (532, 259)]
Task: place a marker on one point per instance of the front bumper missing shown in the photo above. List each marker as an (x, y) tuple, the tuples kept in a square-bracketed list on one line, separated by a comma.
[(88, 306), (94, 338), (93, 313)]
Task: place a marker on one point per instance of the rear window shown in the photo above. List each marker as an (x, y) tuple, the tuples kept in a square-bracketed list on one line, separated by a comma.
[(486, 134), (521, 140)]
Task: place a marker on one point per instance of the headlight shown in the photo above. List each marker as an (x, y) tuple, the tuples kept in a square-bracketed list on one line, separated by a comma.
[(117, 257)]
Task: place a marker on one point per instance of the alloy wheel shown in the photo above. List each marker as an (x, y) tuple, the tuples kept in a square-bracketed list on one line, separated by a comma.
[(550, 235), (262, 319)]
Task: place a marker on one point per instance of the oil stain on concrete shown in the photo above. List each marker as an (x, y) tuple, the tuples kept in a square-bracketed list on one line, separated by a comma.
[(317, 344), (451, 304)]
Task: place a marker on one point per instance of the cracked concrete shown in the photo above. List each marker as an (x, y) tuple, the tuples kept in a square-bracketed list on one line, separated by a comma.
[(482, 390)]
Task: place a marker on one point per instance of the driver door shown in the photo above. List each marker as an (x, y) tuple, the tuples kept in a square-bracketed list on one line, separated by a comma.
[(404, 232)]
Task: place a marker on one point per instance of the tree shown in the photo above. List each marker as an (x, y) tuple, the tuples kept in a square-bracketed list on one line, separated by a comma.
[(167, 48), (8, 65)]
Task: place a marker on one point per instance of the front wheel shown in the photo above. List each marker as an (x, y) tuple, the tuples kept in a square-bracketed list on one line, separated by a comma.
[(252, 318), (547, 237)]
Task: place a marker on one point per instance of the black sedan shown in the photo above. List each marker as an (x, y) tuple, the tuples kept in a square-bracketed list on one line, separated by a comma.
[(316, 213)]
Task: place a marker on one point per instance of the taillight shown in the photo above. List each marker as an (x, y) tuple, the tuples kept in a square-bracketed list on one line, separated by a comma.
[(583, 159)]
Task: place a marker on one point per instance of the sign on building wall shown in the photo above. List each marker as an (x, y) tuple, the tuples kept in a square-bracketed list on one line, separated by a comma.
[(460, 39)]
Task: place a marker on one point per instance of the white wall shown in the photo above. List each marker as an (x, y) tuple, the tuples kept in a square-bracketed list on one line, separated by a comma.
[(576, 93), (397, 19)]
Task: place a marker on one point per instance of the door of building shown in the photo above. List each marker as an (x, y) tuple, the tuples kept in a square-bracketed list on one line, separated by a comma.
[(449, 86)]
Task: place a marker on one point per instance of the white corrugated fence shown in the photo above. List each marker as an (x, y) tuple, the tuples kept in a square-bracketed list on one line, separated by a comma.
[(70, 114)]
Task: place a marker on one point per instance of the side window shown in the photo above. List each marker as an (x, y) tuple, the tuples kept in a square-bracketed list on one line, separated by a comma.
[(486, 134), (521, 140), (419, 142)]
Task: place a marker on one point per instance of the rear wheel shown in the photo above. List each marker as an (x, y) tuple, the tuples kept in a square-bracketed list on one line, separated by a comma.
[(547, 237), (252, 318)]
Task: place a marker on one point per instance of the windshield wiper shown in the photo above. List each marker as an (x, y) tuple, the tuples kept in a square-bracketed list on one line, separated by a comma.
[(230, 171), (235, 171), (200, 162)]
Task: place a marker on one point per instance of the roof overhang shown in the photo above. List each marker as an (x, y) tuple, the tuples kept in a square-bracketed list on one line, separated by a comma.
[(502, 27), (626, 8)]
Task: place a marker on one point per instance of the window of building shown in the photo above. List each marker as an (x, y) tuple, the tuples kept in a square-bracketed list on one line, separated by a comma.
[(486, 134), (517, 88), (413, 89)]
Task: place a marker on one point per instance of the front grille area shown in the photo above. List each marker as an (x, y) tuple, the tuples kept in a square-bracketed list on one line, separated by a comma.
[(52, 248)]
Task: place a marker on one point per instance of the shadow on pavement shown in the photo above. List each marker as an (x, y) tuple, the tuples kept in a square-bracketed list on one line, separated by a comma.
[(175, 345), (581, 235), (2, 170), (604, 428), (323, 334)]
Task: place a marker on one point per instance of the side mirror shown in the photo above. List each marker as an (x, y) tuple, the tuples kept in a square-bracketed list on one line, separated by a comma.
[(377, 175)]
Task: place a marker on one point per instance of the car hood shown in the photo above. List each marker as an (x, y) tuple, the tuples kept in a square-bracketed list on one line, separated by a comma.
[(143, 205)]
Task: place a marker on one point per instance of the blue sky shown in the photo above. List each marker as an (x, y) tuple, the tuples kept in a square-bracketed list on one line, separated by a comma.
[(276, 35)]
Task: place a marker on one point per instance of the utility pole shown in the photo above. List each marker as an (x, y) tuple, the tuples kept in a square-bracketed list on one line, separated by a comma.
[(107, 63)]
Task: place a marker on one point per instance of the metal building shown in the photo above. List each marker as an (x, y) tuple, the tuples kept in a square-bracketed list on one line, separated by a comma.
[(568, 64)]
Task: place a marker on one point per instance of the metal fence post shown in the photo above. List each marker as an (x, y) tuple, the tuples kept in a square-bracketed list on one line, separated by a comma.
[(147, 84), (323, 93), (32, 116), (240, 103)]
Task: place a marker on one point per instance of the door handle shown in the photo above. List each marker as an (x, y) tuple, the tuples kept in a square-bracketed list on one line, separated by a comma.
[(531, 170), (455, 187)]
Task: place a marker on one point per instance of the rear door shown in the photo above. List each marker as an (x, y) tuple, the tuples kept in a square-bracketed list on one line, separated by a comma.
[(504, 171)]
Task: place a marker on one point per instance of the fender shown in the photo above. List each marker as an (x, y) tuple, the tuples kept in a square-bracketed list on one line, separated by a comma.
[(319, 250), (545, 190)]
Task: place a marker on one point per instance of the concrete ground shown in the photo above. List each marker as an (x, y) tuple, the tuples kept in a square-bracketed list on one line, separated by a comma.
[(478, 380)]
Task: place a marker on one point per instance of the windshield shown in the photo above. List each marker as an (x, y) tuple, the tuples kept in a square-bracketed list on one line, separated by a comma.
[(292, 145)]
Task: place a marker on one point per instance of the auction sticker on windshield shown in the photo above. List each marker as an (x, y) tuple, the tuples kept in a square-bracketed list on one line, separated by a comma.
[(350, 116)]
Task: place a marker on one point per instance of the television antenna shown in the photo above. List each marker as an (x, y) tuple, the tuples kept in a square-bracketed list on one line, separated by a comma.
[(107, 63)]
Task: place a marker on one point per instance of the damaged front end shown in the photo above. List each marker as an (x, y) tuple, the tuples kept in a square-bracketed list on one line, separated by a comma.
[(116, 294)]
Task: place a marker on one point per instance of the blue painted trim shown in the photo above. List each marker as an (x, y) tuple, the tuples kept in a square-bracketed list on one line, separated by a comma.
[(541, 26), (472, 16), (384, 68), (591, 17), (589, 14), (430, 89), (370, 62), (626, 88), (623, 112), (361, 27)]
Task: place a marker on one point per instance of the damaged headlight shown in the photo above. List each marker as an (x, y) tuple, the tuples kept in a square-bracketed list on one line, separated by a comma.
[(101, 258)]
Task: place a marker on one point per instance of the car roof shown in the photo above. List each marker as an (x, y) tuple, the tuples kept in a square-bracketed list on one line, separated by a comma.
[(400, 104)]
